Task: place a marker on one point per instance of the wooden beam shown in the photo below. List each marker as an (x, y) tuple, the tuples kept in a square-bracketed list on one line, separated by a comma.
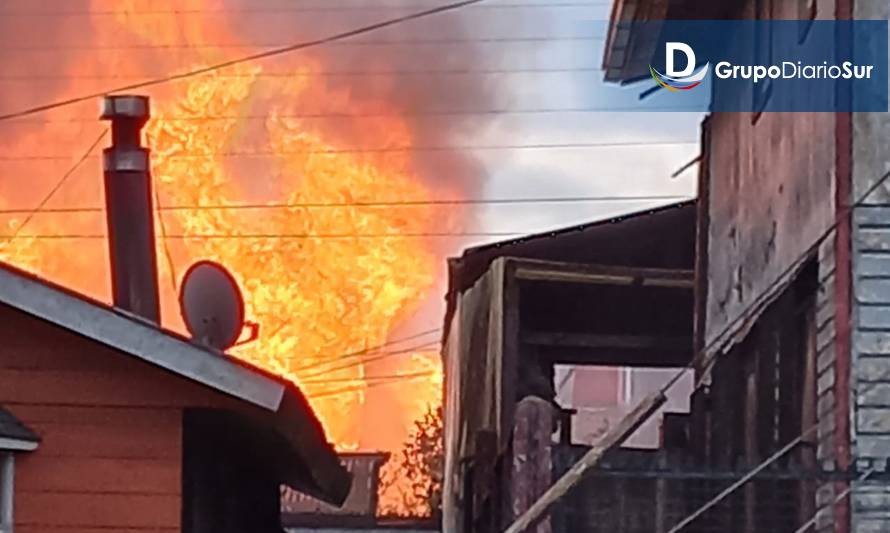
[(628, 425), (540, 270), (593, 340)]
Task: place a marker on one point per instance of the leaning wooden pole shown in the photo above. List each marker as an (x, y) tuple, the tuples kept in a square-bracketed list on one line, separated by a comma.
[(630, 423)]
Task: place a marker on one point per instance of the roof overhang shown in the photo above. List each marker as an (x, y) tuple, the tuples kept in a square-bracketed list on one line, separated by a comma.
[(17, 445), (627, 50), (138, 337), (286, 412), (15, 436), (630, 44)]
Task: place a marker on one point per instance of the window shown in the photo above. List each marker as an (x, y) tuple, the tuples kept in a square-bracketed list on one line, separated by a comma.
[(806, 14), (7, 486), (763, 55)]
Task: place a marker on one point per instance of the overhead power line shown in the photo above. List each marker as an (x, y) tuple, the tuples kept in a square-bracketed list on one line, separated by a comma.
[(238, 46), (289, 9), (371, 204), (247, 58), (398, 149), (326, 359), (362, 388), (33, 211), (31, 77), (323, 368), (369, 378), (285, 236), (432, 113)]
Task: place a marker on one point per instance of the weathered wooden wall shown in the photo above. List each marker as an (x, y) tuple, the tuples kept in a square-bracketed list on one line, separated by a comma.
[(474, 402), (111, 428), (770, 195)]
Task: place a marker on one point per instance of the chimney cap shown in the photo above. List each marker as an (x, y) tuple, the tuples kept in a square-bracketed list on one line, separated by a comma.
[(125, 106)]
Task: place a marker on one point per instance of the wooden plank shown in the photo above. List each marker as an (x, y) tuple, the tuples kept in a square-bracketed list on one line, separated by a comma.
[(873, 240), (81, 529), (38, 473), (872, 264), (569, 355), (873, 291), (874, 317), (592, 340), (615, 436), (151, 388), (511, 356), (541, 270), (97, 510), (875, 217), (95, 415), (99, 442)]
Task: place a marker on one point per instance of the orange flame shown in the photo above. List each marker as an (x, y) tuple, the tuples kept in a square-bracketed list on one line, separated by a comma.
[(314, 298)]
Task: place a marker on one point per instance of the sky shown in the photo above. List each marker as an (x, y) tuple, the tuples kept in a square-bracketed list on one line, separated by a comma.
[(631, 170)]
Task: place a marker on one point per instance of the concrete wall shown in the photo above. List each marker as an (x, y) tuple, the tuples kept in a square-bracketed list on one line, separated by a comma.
[(870, 376)]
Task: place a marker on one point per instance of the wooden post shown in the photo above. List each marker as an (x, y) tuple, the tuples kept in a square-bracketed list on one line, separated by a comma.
[(532, 456), (630, 423)]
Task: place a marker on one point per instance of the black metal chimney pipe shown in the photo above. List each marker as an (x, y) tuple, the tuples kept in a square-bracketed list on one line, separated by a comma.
[(129, 208)]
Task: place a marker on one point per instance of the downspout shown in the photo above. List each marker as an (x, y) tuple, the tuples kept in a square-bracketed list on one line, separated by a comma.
[(7, 491), (843, 278)]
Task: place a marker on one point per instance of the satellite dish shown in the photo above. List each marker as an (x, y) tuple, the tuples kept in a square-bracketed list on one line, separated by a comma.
[(211, 305)]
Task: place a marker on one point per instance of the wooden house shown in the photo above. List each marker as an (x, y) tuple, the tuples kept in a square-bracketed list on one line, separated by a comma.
[(123, 426), (111, 423)]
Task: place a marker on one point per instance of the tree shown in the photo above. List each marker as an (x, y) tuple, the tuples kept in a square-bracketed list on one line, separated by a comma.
[(411, 485)]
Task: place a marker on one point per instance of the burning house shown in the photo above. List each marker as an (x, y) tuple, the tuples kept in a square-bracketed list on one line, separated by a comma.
[(110, 422)]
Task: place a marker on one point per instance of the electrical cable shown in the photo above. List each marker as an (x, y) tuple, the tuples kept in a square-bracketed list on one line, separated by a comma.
[(398, 149), (370, 204), (289, 9), (239, 46), (32, 212), (244, 59)]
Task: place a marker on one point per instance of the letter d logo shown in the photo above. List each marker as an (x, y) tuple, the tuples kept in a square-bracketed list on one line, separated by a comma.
[(670, 52)]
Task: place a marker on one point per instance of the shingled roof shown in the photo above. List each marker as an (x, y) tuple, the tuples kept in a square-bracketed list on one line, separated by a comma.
[(14, 435)]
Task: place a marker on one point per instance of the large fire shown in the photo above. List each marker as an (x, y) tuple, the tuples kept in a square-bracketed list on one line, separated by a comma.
[(315, 299)]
